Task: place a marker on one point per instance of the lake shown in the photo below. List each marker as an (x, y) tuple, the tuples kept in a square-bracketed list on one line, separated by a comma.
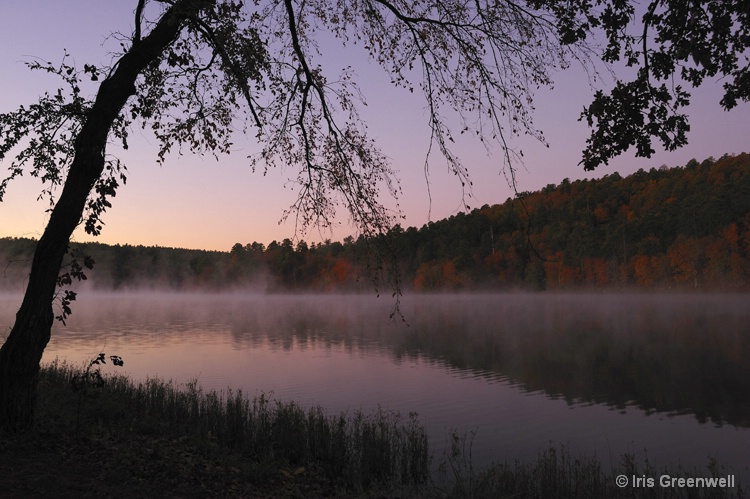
[(665, 377)]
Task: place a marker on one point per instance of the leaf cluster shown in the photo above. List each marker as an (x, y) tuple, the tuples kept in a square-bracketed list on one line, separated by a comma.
[(75, 272), (680, 44), (45, 135), (45, 131), (92, 377)]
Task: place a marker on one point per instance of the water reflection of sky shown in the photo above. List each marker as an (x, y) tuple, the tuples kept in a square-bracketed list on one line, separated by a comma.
[(524, 371)]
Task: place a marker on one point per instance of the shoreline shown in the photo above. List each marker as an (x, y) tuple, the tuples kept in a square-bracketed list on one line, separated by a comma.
[(153, 438)]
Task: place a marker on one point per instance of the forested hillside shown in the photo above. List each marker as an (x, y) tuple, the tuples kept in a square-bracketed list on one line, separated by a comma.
[(669, 228)]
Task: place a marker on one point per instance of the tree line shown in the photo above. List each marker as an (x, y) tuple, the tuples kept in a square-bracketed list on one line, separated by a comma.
[(670, 228)]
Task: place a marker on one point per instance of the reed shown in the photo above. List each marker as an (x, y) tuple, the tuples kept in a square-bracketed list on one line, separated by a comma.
[(375, 454), (556, 473), (362, 451)]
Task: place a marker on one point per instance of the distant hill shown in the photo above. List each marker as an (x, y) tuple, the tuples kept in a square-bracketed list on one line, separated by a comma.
[(685, 227), (668, 228)]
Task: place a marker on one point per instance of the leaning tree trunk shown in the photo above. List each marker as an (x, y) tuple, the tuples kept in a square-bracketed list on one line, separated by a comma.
[(22, 352)]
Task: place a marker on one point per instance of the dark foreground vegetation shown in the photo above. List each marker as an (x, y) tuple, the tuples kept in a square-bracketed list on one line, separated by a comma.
[(111, 437), (685, 228)]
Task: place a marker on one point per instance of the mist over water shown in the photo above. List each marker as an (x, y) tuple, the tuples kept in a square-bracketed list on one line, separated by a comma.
[(603, 374)]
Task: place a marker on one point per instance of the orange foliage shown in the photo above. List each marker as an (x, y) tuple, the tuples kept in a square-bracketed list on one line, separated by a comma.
[(684, 257), (552, 269), (732, 236), (342, 270), (568, 277), (436, 275), (650, 271), (596, 271), (600, 214), (601, 271)]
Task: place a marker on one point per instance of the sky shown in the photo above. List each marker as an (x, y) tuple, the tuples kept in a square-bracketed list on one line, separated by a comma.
[(201, 203)]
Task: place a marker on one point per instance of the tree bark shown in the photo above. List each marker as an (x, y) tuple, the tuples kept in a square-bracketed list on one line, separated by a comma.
[(22, 352)]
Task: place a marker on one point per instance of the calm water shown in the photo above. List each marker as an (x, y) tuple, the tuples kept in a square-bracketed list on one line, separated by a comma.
[(602, 374)]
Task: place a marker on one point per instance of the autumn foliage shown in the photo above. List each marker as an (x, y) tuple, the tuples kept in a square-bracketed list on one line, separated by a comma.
[(685, 228)]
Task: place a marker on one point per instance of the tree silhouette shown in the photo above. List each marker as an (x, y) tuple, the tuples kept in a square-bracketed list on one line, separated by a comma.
[(679, 43), (199, 69)]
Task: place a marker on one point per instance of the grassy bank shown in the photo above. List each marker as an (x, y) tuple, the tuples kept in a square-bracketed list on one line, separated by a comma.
[(558, 474), (119, 438)]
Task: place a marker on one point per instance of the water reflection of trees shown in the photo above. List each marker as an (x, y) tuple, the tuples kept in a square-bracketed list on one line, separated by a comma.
[(674, 354)]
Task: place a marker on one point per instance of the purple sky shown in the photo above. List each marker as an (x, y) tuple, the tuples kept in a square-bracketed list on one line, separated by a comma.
[(197, 202)]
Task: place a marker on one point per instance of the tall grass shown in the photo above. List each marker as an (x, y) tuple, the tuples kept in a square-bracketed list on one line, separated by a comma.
[(363, 452), (380, 449), (556, 473)]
